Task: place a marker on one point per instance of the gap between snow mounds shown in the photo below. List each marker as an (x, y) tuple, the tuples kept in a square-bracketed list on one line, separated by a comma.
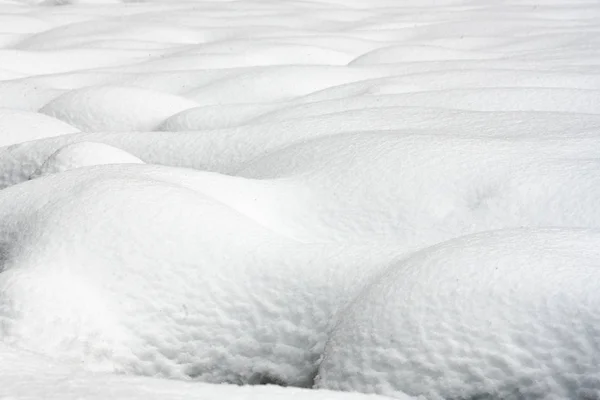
[(452, 77), (331, 120), (119, 282), (69, 60), (490, 99), (26, 96), (36, 377)]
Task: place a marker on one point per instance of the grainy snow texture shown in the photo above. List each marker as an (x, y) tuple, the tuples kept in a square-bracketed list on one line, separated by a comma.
[(395, 197), (504, 314)]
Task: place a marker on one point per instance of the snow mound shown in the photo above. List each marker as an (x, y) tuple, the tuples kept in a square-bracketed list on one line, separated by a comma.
[(20, 126), (506, 315), (109, 108), (69, 60), (84, 154), (136, 269), (420, 189)]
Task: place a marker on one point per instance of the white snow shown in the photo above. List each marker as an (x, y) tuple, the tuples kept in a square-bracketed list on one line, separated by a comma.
[(17, 126), (115, 108), (137, 271), (198, 190), (420, 189), (83, 154), (505, 314), (27, 376)]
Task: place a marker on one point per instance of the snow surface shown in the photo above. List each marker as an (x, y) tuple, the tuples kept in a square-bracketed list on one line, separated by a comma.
[(216, 273), (504, 314), (27, 376), (256, 191), (82, 154)]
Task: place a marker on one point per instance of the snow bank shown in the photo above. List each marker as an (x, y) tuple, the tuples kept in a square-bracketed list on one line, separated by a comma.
[(509, 314)]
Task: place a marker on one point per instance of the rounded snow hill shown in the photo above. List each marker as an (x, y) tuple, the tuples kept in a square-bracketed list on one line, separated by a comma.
[(500, 315), (82, 154), (140, 269), (422, 189), (113, 108), (18, 126)]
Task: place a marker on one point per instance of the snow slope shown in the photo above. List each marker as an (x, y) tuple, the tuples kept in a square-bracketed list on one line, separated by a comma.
[(506, 314), (82, 154), (198, 190), (134, 269)]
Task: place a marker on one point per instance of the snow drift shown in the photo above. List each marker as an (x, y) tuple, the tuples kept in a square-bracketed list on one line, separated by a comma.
[(200, 190)]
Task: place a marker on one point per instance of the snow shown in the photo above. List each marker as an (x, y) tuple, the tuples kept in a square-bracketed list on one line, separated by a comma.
[(401, 197), (17, 126), (513, 313), (112, 108), (83, 284), (27, 376), (426, 188), (82, 154)]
